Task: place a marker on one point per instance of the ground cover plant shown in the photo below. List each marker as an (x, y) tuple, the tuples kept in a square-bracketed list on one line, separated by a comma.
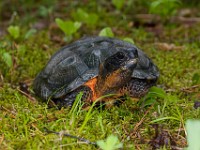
[(31, 31)]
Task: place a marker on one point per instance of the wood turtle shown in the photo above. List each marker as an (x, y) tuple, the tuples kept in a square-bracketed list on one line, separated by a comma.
[(96, 66)]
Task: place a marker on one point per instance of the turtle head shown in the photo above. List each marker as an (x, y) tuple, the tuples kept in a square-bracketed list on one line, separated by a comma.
[(116, 70)]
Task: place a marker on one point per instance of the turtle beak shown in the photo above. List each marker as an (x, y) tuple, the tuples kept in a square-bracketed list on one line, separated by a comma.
[(131, 64)]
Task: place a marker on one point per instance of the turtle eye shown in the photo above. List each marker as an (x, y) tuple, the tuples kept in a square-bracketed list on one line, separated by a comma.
[(120, 56)]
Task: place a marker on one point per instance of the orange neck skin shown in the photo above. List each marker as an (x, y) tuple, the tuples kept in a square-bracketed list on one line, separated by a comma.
[(100, 86), (92, 83)]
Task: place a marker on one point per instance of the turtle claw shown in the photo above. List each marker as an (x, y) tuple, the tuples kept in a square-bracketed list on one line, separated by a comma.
[(66, 102)]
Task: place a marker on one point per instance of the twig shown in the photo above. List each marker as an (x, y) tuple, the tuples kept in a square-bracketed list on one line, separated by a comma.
[(1, 138), (11, 112), (185, 89), (191, 87), (141, 121), (72, 136), (32, 99)]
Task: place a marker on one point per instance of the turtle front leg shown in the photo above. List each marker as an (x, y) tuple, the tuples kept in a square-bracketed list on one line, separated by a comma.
[(137, 88), (68, 99)]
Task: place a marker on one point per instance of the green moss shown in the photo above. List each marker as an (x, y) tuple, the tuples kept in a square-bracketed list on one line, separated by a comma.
[(23, 122)]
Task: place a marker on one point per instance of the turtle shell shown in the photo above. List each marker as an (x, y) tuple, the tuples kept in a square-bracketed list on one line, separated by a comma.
[(76, 63)]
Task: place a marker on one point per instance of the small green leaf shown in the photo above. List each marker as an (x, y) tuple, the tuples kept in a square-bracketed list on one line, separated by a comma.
[(77, 25), (196, 79), (193, 134), (80, 15), (92, 19), (30, 33), (118, 3), (152, 96), (14, 31), (61, 24), (44, 11), (111, 143), (106, 32), (68, 27), (83, 16), (7, 58), (129, 40), (148, 102), (157, 92), (164, 7)]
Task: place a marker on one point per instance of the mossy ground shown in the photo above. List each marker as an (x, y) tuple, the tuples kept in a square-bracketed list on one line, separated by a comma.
[(23, 120)]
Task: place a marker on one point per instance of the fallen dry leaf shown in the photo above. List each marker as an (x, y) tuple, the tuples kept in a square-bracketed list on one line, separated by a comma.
[(162, 138), (147, 18), (167, 46), (196, 104)]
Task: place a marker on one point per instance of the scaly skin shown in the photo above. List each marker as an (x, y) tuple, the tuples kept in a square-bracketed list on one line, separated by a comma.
[(135, 88), (68, 100)]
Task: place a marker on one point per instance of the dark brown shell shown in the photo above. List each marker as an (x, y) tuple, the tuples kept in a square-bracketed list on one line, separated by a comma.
[(78, 62)]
